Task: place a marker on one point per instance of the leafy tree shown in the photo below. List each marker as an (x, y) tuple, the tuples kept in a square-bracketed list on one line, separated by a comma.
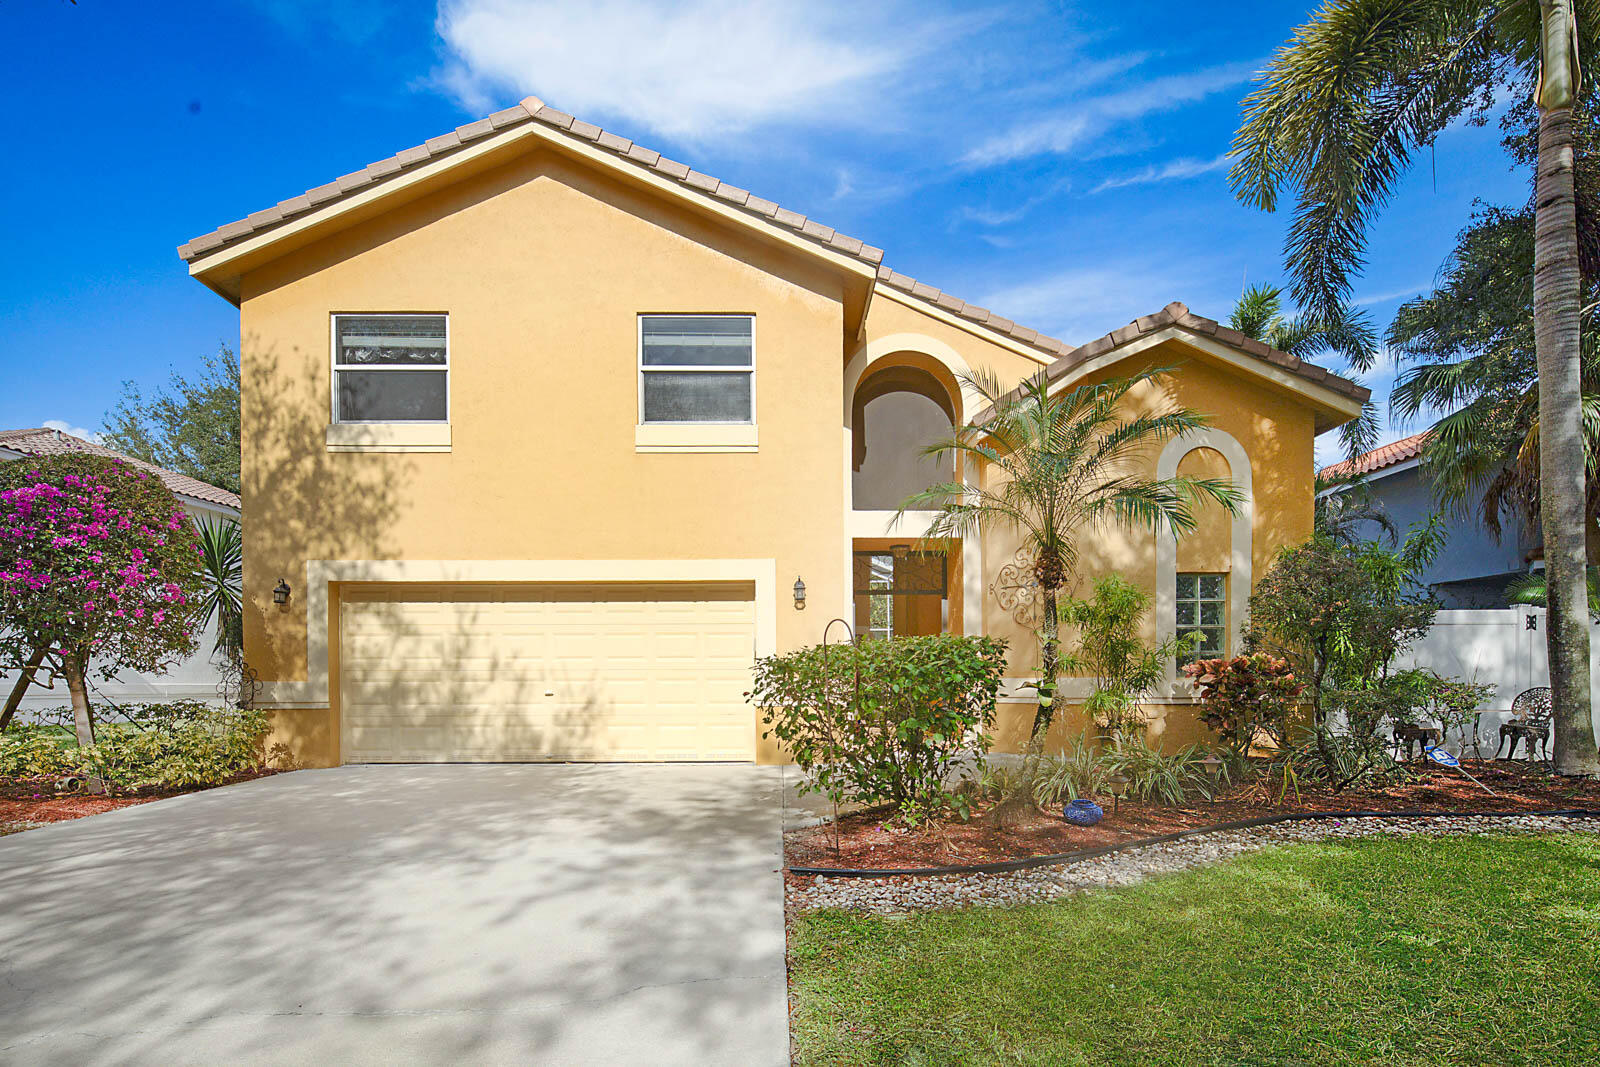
[(1340, 614), (1124, 666), (1259, 314), (1362, 87), (191, 425), (97, 563), (1467, 348), (1062, 466)]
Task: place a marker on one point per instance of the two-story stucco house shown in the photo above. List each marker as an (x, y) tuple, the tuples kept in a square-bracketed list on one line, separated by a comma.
[(546, 436)]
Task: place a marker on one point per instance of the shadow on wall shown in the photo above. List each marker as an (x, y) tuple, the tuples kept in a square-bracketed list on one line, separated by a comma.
[(492, 912), (302, 502)]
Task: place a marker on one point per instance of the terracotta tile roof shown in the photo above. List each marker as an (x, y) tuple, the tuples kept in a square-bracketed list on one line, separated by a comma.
[(43, 442), (1379, 458), (1178, 315), (530, 110)]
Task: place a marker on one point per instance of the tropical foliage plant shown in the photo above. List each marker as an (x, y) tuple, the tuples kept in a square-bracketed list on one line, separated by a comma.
[(1340, 115), (1110, 649), (1246, 699), (222, 575), (882, 721), (98, 564), (1062, 465)]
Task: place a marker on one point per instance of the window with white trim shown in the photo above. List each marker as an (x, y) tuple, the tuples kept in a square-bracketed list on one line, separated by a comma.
[(697, 369), (1203, 608), (391, 368)]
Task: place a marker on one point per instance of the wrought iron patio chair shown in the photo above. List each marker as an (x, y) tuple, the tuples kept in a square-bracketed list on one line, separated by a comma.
[(1533, 711)]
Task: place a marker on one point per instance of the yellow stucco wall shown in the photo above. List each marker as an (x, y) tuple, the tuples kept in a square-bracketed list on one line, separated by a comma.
[(543, 265)]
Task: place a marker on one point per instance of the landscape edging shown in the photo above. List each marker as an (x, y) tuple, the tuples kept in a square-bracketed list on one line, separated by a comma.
[(1029, 862)]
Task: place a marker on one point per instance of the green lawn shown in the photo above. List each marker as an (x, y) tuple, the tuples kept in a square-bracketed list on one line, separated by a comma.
[(1385, 950)]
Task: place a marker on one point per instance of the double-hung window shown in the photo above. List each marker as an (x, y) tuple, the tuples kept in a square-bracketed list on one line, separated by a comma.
[(697, 369), (1203, 609), (391, 368)]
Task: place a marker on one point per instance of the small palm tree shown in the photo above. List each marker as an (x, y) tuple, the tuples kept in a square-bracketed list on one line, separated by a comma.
[(1344, 505), (1362, 87), (222, 562), (1532, 589), (1060, 467), (1259, 314)]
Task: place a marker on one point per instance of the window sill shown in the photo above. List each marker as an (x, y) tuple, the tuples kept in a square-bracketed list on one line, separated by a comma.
[(389, 437), (694, 437)]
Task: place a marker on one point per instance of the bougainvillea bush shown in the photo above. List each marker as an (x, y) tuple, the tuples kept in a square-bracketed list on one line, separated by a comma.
[(99, 567), (1243, 697)]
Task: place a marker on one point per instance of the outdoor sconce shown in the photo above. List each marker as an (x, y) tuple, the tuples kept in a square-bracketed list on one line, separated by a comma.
[(280, 592), (799, 595)]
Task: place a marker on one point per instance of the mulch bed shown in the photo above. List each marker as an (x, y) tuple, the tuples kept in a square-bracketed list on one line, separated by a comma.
[(867, 843), (30, 803)]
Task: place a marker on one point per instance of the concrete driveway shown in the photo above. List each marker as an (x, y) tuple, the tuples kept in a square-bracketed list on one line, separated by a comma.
[(484, 914)]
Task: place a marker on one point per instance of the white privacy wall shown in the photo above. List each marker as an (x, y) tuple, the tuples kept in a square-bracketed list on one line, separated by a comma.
[(1495, 647)]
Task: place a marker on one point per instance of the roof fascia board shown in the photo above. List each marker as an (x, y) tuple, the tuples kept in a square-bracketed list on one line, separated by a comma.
[(965, 325), (1344, 405), (561, 141)]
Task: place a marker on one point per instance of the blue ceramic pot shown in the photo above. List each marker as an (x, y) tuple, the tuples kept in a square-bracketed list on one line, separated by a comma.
[(1083, 813)]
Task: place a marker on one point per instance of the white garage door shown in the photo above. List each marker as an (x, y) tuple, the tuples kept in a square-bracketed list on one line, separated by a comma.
[(456, 673)]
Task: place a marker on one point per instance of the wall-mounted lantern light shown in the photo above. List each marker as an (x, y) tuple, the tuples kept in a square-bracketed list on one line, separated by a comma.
[(280, 592), (799, 595)]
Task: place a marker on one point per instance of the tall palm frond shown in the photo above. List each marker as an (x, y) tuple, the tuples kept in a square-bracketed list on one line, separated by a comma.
[(1345, 505), (222, 562), (1532, 589)]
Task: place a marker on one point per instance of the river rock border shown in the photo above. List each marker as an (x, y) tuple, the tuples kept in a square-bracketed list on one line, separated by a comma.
[(899, 894)]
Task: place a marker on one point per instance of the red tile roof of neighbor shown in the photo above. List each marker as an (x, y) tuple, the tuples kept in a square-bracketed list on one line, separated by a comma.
[(42, 442), (1379, 458), (532, 109)]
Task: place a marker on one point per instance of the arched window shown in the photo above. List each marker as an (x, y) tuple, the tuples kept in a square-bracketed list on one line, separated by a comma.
[(897, 412)]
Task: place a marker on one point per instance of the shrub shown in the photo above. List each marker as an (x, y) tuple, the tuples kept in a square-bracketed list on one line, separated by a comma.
[(883, 721), (1113, 650), (1155, 775), (1078, 772), (1245, 696), (182, 745)]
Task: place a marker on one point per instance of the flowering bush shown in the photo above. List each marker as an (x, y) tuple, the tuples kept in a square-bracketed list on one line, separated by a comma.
[(97, 562), (885, 721), (1245, 696)]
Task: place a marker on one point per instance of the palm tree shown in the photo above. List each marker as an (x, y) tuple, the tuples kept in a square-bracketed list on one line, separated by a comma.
[(1259, 314), (1059, 467), (1344, 505), (1532, 589), (222, 562), (1345, 106)]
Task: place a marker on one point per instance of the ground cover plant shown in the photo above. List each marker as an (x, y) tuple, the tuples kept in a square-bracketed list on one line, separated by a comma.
[(1382, 950)]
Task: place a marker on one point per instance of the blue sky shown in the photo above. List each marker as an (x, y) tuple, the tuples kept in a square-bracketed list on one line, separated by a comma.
[(1058, 162)]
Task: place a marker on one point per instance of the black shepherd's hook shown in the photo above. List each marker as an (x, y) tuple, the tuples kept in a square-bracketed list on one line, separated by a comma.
[(827, 689)]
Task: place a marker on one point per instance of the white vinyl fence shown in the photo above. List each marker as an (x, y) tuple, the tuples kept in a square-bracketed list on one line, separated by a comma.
[(1503, 647)]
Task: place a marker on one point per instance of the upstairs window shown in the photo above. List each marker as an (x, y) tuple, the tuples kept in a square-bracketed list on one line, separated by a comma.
[(1203, 608), (697, 368), (391, 368)]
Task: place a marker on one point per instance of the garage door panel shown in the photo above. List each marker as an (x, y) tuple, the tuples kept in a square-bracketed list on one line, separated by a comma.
[(643, 672)]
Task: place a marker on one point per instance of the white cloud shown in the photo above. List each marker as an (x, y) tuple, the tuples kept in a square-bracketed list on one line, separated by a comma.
[(1015, 210), (1078, 305), (1171, 171), (694, 70), (1069, 128), (72, 431)]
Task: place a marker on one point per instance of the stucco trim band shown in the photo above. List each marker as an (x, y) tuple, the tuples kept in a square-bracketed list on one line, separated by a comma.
[(695, 437), (389, 437), (322, 573)]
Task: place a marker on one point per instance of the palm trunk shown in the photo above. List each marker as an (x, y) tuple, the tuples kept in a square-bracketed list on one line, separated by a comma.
[(1021, 797), (1561, 454)]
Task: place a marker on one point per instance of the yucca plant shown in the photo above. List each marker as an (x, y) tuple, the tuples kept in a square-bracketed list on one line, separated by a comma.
[(1075, 774), (222, 564)]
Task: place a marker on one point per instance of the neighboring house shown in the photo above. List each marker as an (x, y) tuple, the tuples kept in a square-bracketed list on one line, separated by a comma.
[(195, 678), (1474, 567), (543, 432)]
